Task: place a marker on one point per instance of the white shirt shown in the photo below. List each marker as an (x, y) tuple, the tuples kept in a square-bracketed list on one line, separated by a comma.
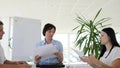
[(2, 56), (115, 54)]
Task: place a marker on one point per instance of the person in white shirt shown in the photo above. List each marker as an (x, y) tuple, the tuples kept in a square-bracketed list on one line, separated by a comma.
[(110, 53), (4, 63)]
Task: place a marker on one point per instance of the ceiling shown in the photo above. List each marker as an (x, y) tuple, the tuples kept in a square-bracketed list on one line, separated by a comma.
[(61, 13)]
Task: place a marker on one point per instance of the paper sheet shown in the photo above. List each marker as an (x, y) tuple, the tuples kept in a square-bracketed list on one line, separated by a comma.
[(78, 52), (46, 51)]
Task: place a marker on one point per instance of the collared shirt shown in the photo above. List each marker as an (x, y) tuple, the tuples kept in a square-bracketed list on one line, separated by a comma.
[(2, 56), (52, 59)]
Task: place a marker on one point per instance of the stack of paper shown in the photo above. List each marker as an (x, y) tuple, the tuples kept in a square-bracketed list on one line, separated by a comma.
[(46, 50), (81, 54)]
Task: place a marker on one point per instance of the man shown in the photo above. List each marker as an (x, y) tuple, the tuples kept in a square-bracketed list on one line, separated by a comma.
[(49, 31), (4, 63)]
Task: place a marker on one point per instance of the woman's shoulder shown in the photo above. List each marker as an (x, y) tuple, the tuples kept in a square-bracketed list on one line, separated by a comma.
[(116, 48), (115, 53)]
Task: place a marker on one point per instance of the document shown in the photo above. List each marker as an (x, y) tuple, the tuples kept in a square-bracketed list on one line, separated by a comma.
[(46, 50), (81, 54)]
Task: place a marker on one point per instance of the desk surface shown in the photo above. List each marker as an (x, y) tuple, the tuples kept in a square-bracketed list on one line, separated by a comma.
[(72, 66)]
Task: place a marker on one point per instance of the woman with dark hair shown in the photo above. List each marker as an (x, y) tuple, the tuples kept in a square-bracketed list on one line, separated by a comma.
[(48, 32), (110, 53)]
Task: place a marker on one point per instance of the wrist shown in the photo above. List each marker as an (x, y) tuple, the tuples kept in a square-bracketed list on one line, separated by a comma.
[(60, 60), (99, 64)]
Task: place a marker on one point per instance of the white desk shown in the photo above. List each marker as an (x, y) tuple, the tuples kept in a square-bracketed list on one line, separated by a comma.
[(78, 66), (33, 66)]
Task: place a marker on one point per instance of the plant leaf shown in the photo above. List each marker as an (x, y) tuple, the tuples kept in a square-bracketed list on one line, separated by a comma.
[(97, 14)]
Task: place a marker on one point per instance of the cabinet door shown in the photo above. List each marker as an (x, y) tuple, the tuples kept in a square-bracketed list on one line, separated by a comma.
[(25, 34)]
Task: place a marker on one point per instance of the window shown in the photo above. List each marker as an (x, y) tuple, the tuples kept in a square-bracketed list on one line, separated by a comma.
[(67, 40)]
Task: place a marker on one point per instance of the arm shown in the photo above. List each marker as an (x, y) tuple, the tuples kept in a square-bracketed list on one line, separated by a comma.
[(37, 58), (9, 62), (115, 64), (8, 66), (14, 62), (14, 66), (60, 56), (95, 62)]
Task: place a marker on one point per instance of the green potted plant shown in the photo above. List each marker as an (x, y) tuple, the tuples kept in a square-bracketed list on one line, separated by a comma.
[(88, 34)]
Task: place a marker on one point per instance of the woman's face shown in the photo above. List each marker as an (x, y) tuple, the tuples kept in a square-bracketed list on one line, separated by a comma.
[(49, 34), (104, 38)]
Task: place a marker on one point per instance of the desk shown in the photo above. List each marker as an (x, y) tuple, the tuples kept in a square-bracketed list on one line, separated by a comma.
[(78, 66), (72, 66)]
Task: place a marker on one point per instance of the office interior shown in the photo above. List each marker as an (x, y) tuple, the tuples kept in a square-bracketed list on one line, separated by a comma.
[(62, 14)]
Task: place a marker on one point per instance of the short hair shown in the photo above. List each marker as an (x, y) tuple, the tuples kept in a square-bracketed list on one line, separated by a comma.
[(1, 23), (47, 27)]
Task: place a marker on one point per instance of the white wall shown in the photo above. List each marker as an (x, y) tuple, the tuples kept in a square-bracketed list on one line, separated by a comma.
[(61, 12)]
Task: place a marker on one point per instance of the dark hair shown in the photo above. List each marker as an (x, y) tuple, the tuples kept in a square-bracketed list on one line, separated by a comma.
[(110, 32), (1, 23), (47, 27)]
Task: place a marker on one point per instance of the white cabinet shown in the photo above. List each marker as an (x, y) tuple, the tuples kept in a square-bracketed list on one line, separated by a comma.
[(23, 35)]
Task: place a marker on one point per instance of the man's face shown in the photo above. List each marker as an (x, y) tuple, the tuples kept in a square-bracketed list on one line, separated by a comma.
[(49, 34), (1, 31)]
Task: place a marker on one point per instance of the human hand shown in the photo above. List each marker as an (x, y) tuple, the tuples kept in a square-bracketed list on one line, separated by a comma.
[(94, 61), (59, 55), (91, 60), (85, 59), (37, 58)]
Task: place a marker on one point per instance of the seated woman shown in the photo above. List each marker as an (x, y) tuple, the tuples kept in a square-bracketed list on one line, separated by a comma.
[(110, 53)]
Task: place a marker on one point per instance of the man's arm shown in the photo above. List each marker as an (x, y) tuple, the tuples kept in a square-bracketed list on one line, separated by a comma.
[(14, 62), (60, 56), (8, 66), (14, 66), (9, 62)]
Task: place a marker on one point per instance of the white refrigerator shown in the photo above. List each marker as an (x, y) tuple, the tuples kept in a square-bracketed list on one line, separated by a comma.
[(24, 34)]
